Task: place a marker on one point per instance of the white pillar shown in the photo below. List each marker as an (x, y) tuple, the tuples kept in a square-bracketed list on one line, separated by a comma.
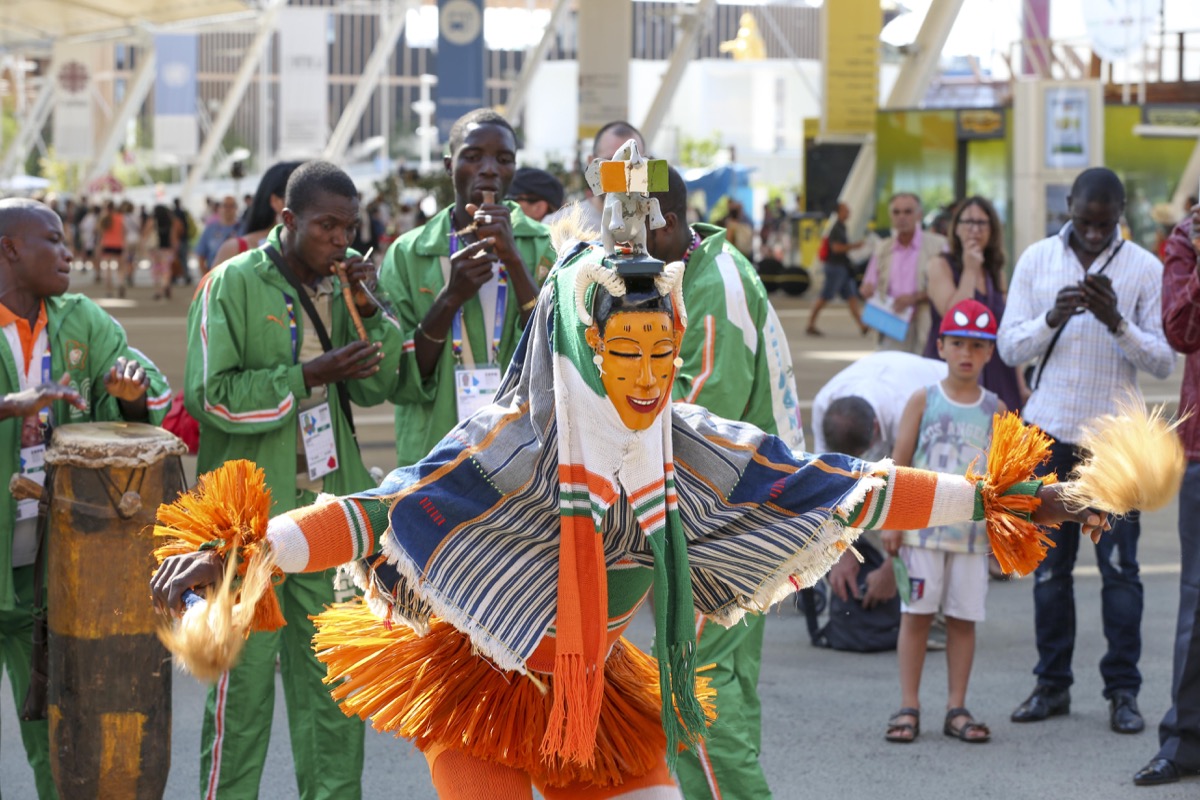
[(135, 95), (516, 98), (685, 48), (267, 22), (910, 86), (351, 115)]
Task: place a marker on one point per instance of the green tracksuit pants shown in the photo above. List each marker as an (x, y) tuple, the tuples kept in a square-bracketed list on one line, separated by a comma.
[(16, 646), (726, 767), (327, 746)]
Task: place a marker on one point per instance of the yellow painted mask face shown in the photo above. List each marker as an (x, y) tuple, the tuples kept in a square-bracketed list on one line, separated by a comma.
[(637, 364)]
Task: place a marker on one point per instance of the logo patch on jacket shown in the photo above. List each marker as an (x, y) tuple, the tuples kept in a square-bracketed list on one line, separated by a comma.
[(77, 353)]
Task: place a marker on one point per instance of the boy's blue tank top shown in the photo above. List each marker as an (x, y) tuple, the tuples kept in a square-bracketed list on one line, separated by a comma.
[(951, 436)]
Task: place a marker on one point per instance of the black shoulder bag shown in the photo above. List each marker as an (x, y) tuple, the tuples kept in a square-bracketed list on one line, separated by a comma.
[(1046, 356), (311, 312)]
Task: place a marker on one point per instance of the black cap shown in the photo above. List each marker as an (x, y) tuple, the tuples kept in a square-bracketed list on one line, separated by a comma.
[(536, 184)]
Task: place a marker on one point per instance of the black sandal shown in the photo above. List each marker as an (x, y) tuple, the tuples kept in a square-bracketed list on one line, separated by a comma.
[(964, 731), (904, 732)]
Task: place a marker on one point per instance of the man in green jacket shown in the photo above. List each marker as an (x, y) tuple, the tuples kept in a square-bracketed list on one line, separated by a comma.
[(63, 359), (263, 388), (463, 285), (736, 363)]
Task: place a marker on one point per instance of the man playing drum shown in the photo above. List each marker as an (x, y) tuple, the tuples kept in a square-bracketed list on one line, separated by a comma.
[(65, 360)]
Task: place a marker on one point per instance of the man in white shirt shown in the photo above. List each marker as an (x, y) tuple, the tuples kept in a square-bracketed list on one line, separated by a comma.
[(884, 381), (1088, 305)]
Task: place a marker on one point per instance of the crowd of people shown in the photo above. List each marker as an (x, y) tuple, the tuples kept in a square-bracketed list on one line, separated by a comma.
[(478, 315)]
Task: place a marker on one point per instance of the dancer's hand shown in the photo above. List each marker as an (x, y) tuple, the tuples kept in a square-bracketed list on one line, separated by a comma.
[(179, 573), (1054, 509)]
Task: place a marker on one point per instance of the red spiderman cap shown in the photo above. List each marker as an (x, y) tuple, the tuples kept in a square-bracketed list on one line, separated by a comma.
[(969, 318)]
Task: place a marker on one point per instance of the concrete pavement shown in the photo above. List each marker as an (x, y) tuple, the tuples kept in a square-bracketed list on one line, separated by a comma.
[(825, 711)]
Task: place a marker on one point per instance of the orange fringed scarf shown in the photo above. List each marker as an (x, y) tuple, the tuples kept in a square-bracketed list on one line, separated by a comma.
[(386, 673), (228, 512), (1009, 497)]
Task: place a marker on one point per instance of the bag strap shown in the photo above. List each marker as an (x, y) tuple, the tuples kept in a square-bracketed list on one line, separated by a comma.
[(1046, 356), (39, 560), (808, 602), (311, 312)]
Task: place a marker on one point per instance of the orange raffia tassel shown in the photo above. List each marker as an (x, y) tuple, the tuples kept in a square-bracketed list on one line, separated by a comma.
[(227, 512), (1017, 449), (436, 690)]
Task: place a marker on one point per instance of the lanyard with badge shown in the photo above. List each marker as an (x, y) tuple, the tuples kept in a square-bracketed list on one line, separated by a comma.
[(316, 422), (475, 387), (35, 432)]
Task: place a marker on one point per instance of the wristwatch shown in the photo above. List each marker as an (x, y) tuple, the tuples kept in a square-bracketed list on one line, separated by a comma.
[(1122, 326)]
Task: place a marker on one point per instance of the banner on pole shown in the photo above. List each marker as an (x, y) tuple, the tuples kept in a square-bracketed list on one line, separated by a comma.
[(303, 82), (459, 61), (850, 50), (605, 34), (74, 134), (176, 131)]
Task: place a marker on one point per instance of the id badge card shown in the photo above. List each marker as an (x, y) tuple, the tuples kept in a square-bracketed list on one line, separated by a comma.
[(33, 466), (475, 388), (316, 436)]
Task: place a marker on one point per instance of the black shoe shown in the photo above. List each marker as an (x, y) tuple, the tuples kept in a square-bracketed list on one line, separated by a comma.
[(1046, 701), (1160, 771), (1123, 714)]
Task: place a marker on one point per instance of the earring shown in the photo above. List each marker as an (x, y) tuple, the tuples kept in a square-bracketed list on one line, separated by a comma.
[(598, 360), (678, 362)]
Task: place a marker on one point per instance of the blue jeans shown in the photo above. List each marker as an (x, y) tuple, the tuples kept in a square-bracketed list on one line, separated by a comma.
[(1179, 732), (1120, 597)]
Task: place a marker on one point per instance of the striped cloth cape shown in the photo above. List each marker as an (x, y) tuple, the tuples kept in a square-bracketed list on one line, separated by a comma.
[(476, 527)]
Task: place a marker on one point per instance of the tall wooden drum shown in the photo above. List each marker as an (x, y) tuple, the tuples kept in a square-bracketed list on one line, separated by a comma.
[(109, 687)]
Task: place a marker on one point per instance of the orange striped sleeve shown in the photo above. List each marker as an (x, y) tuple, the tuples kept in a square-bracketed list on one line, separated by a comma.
[(911, 499), (326, 535)]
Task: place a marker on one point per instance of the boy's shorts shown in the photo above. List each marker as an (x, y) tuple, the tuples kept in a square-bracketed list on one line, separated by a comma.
[(955, 582)]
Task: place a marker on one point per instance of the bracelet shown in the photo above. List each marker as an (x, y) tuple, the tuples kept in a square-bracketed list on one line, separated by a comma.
[(421, 330), (529, 306)]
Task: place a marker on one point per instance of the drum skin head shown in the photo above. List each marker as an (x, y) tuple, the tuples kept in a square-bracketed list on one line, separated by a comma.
[(96, 445)]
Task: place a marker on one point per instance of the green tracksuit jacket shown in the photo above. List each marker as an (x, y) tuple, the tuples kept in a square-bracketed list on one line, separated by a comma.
[(412, 277), (725, 369), (244, 385), (84, 342)]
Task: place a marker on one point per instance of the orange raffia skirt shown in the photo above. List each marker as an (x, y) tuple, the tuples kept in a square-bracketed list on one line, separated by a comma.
[(435, 689)]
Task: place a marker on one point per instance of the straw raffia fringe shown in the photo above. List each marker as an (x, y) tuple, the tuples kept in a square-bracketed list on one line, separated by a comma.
[(387, 674), (227, 512), (1135, 461), (1016, 451)]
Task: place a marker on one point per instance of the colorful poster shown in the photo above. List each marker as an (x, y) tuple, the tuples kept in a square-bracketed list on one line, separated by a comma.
[(74, 134), (850, 48), (1067, 128), (459, 61), (303, 82), (175, 123)]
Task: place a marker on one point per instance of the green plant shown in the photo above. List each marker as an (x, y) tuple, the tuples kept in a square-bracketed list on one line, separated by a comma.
[(696, 152)]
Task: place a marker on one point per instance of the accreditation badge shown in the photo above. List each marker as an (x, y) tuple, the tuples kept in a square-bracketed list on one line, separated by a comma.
[(316, 437), (33, 466), (475, 388)]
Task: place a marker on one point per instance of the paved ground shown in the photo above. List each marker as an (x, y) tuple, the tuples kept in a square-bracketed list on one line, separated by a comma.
[(823, 734)]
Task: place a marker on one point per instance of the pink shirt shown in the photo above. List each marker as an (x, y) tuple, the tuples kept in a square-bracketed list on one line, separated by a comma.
[(904, 267)]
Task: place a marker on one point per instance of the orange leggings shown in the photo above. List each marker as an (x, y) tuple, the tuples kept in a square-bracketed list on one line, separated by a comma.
[(457, 776)]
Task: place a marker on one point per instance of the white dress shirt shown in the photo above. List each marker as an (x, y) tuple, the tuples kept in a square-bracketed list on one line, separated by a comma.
[(1090, 369)]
